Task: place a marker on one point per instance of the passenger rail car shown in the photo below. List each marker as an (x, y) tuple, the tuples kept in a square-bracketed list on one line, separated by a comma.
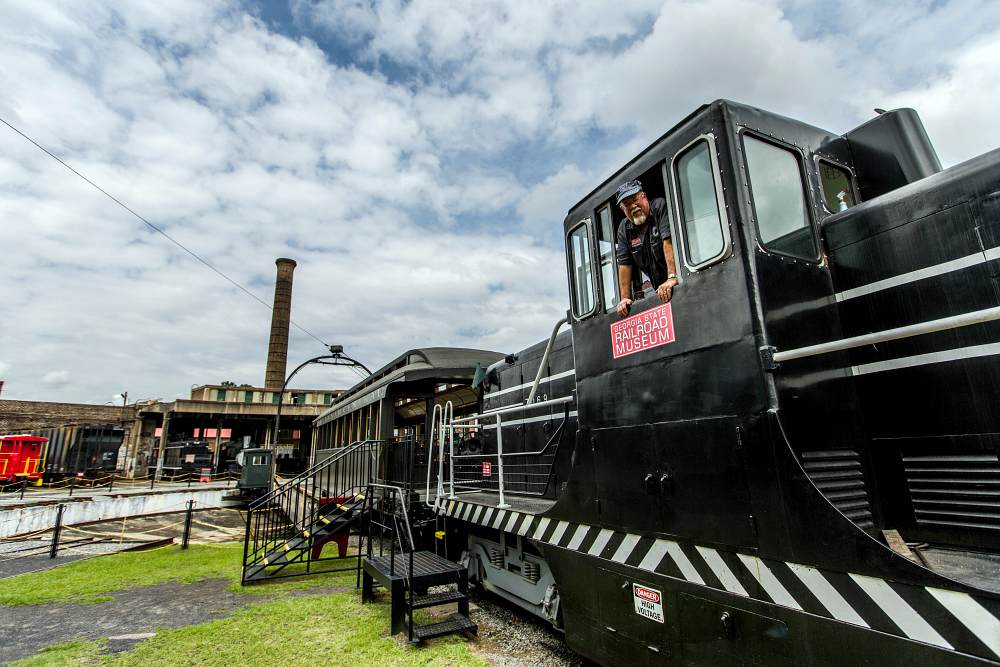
[(749, 463)]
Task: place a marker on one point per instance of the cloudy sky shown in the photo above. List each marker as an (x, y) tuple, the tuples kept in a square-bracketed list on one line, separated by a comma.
[(416, 159)]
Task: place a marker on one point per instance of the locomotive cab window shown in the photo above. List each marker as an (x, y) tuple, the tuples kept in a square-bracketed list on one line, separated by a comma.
[(838, 191), (581, 269), (706, 237), (779, 200)]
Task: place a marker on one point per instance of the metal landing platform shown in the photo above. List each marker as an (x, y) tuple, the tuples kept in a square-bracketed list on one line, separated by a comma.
[(522, 504)]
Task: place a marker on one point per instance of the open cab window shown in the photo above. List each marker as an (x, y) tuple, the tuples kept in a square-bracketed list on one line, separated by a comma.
[(778, 193), (838, 186), (606, 253), (581, 269)]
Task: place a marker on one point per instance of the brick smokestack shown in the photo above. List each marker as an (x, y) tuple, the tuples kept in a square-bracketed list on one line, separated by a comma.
[(277, 348)]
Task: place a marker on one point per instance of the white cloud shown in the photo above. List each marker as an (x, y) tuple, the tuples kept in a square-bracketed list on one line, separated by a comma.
[(56, 378), (959, 108), (421, 183)]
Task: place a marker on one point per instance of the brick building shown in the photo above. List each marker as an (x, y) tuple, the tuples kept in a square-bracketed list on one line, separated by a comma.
[(27, 416)]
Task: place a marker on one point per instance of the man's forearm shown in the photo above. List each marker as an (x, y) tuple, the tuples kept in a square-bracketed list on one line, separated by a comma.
[(625, 281), (668, 255)]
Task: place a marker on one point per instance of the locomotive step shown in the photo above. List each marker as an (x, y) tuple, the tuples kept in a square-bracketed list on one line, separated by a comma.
[(455, 623), (435, 599)]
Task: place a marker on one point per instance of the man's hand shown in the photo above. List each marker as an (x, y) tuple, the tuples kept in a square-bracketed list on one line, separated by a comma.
[(665, 291), (623, 307)]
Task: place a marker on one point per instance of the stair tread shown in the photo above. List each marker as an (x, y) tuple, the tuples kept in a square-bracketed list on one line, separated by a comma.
[(454, 624), (434, 599)]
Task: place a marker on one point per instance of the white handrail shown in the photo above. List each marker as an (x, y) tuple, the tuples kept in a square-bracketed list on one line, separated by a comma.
[(545, 359), (430, 450), (953, 322), (451, 448), (515, 408)]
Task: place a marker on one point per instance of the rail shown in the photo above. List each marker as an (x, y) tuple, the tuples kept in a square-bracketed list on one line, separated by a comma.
[(474, 422), (294, 510), (943, 324)]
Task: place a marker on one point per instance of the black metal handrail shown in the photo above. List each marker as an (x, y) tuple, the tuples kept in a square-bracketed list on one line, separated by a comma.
[(390, 495)]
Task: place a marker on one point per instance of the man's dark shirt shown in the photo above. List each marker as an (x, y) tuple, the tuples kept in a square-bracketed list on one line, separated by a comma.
[(642, 246)]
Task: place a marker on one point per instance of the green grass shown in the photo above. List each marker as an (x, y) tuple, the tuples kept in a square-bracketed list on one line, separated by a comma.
[(89, 581), (286, 629), (76, 652), (322, 629)]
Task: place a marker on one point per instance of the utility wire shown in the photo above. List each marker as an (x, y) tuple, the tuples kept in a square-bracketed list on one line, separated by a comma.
[(161, 232)]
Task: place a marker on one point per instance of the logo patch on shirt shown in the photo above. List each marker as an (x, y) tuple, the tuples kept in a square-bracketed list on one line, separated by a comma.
[(636, 242)]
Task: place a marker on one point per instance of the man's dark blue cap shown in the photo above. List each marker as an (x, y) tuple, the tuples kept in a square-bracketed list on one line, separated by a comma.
[(627, 189)]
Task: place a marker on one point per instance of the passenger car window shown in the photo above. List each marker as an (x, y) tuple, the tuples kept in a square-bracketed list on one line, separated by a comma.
[(606, 251), (581, 269), (704, 237), (836, 182), (779, 198)]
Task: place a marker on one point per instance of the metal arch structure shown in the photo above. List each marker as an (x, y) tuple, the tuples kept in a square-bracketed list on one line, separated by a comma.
[(336, 357)]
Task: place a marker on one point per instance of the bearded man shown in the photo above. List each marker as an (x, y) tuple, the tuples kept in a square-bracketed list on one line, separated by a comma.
[(643, 243)]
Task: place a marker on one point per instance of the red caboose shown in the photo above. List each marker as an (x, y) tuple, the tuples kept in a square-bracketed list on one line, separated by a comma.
[(22, 457)]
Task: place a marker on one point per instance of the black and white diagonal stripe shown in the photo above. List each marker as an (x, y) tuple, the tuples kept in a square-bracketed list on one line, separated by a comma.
[(868, 602)]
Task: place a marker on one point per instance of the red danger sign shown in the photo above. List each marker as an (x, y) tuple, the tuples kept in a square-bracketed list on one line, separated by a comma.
[(647, 593), (644, 331), (487, 469)]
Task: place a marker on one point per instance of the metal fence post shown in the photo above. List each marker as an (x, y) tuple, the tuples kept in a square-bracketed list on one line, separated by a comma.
[(111, 484), (24, 484), (72, 485), (152, 481), (187, 525), (54, 547)]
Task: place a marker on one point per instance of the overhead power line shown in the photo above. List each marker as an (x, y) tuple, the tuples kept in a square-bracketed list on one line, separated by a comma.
[(161, 232)]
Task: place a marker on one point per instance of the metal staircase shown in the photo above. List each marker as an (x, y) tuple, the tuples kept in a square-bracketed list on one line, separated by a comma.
[(287, 529), (364, 490)]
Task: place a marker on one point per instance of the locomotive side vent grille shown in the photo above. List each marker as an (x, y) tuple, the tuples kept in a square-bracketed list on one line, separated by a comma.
[(838, 475), (955, 490)]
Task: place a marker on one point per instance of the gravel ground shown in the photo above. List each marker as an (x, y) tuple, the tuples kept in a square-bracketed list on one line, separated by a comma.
[(511, 637), (508, 636)]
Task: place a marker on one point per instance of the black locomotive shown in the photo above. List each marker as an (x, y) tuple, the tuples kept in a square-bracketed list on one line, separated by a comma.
[(795, 461)]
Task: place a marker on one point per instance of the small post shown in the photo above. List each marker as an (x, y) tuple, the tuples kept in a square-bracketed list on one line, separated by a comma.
[(111, 484), (24, 484), (54, 547), (72, 485), (152, 481), (187, 525)]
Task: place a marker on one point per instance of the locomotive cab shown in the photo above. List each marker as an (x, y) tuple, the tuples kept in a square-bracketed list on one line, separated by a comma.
[(762, 411)]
